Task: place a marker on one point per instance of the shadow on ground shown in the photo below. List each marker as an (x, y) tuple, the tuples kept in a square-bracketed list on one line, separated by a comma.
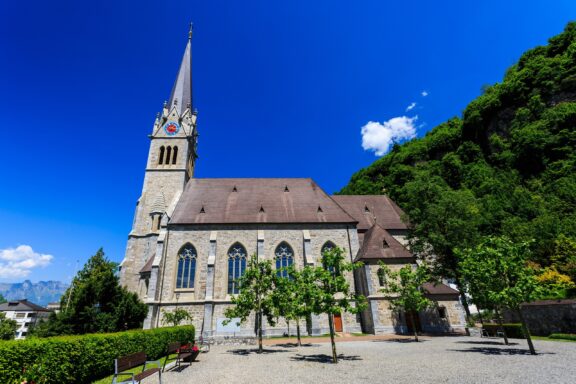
[(178, 369), (323, 358), (485, 342), (498, 351), (249, 351), (400, 341), (294, 345)]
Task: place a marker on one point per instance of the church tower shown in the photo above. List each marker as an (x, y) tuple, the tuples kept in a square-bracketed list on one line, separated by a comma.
[(170, 165)]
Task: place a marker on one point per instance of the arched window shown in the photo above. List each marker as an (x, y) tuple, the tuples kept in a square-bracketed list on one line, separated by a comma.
[(175, 155), (284, 258), (236, 267), (161, 157), (168, 154), (328, 246), (186, 266)]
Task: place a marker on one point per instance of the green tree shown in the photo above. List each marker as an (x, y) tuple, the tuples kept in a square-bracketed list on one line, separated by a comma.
[(497, 270), (8, 327), (294, 296), (257, 286), (95, 302), (332, 294), (2, 299), (404, 287), (175, 317), (564, 257)]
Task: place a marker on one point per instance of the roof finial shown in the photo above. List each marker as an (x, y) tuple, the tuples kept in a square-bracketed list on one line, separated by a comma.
[(190, 33)]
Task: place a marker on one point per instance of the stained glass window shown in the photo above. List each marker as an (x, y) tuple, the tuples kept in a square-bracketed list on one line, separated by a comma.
[(284, 258), (236, 267), (186, 267)]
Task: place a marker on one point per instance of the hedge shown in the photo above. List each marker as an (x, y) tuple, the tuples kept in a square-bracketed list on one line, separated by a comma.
[(513, 331), (564, 336), (84, 358)]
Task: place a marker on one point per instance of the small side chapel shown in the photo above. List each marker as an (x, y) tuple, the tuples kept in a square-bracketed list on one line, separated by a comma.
[(191, 237)]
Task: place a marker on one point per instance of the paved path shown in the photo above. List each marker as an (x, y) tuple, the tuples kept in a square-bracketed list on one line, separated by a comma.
[(434, 360)]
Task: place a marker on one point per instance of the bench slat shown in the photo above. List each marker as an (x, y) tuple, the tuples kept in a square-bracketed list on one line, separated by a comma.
[(127, 362)]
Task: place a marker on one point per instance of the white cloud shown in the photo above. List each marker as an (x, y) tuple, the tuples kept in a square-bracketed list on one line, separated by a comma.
[(424, 93), (378, 137), (411, 107), (18, 262)]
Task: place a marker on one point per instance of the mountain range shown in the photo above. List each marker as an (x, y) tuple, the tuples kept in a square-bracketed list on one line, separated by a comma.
[(41, 293)]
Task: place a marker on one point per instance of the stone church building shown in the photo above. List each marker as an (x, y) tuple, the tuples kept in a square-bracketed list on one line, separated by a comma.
[(191, 237)]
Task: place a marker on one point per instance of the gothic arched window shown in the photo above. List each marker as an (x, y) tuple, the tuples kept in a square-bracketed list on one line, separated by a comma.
[(327, 247), (175, 155), (284, 258), (168, 154), (161, 157), (186, 266), (236, 267)]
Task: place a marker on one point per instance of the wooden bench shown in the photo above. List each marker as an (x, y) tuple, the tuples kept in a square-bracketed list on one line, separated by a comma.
[(125, 363), (175, 348)]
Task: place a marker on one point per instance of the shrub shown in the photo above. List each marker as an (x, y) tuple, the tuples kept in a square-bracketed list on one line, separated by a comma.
[(513, 331), (82, 359), (563, 336)]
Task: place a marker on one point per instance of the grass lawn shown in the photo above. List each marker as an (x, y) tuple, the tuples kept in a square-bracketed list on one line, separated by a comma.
[(108, 380), (549, 339)]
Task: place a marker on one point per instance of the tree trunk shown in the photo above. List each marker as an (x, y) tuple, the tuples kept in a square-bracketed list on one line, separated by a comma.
[(501, 324), (260, 331), (414, 326), (526, 332), (331, 324), (464, 304), (298, 332)]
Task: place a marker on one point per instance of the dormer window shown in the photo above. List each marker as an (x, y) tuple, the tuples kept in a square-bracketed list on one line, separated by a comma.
[(385, 244)]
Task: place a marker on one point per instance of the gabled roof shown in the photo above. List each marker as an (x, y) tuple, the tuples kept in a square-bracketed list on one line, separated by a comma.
[(372, 209), (373, 246), (238, 201), (22, 305), (439, 289)]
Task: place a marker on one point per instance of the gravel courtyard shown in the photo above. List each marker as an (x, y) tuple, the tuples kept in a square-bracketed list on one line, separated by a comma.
[(433, 360)]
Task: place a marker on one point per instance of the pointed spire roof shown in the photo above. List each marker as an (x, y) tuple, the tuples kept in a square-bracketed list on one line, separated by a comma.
[(181, 95)]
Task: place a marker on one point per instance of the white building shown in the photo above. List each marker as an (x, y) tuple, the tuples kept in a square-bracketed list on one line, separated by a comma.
[(25, 313)]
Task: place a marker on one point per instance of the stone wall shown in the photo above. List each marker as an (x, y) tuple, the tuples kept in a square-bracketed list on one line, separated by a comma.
[(547, 316)]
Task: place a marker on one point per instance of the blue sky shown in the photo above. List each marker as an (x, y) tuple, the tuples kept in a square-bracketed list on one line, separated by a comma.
[(283, 89)]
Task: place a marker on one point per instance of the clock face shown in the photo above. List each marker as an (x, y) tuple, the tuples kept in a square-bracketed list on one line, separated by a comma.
[(171, 128)]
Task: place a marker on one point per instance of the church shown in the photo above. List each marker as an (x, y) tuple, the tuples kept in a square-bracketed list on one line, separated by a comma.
[(191, 237)]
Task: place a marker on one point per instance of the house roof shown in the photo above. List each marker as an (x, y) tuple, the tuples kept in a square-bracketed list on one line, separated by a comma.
[(22, 305), (378, 243), (274, 200), (371, 209), (439, 289)]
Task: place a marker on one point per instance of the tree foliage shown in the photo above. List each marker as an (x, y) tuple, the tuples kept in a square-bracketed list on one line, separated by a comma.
[(405, 290), (8, 327), (506, 167), (174, 318), (497, 271), (95, 302)]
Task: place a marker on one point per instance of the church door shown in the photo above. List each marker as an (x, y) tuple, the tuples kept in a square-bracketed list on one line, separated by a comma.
[(338, 323)]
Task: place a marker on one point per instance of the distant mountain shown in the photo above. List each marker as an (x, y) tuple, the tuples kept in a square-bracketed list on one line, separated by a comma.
[(41, 293)]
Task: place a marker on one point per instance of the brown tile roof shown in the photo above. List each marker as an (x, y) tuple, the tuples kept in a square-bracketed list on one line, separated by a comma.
[(147, 268), (373, 246), (236, 201), (368, 209), (439, 289)]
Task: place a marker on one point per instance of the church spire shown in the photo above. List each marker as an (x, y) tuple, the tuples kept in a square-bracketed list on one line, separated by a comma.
[(181, 95)]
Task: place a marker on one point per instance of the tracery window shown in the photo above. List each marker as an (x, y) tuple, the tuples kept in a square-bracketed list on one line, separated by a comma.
[(186, 266), (328, 246), (284, 258), (236, 267)]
